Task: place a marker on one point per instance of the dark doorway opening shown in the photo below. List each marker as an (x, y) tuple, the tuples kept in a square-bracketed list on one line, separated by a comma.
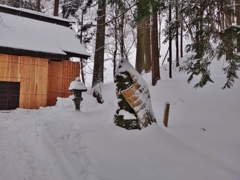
[(9, 95)]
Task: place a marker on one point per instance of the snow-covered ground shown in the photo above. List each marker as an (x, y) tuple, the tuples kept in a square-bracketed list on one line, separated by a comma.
[(202, 141)]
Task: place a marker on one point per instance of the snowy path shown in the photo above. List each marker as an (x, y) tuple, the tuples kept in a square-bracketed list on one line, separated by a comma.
[(17, 146), (38, 147), (66, 144)]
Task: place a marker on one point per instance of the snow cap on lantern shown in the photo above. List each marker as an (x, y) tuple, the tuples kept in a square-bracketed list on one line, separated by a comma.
[(77, 85)]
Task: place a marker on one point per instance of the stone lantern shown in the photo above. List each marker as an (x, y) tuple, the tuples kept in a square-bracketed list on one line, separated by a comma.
[(77, 87)]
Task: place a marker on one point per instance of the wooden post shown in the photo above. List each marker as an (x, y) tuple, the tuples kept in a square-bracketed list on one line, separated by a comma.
[(166, 113)]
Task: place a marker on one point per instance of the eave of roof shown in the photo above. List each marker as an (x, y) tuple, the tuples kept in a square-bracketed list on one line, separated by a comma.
[(25, 33), (34, 15), (22, 52)]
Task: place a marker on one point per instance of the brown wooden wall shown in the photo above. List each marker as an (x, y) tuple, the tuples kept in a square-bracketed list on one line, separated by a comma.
[(60, 75), (32, 74), (41, 81)]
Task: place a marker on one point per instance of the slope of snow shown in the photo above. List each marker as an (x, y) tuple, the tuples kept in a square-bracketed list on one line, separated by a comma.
[(59, 143)]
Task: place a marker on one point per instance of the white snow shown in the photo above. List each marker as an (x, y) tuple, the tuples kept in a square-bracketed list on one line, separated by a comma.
[(77, 84), (126, 115), (202, 141)]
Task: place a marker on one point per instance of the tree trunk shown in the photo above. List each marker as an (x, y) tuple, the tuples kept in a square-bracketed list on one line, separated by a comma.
[(38, 5), (238, 22), (99, 48), (222, 26), (229, 52), (115, 50), (170, 42), (140, 48), (56, 7), (201, 33), (181, 33), (159, 33), (147, 44), (181, 41), (143, 56), (155, 52), (177, 43), (197, 39), (81, 60), (121, 29)]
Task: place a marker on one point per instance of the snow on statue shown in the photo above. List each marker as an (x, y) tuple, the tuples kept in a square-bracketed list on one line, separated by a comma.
[(134, 102)]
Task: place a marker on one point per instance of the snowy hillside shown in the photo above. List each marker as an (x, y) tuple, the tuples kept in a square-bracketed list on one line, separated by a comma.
[(202, 141)]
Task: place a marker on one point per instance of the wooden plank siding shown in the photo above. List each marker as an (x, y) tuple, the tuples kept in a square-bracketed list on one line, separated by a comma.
[(60, 75), (33, 88), (32, 75), (41, 81)]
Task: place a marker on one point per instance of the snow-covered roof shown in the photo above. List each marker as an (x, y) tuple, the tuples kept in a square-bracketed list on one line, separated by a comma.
[(39, 33)]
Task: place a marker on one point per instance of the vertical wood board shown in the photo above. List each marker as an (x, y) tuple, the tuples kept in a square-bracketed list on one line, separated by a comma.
[(61, 74), (31, 73), (40, 82)]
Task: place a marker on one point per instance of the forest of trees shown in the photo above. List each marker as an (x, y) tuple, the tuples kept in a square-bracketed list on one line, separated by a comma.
[(115, 27)]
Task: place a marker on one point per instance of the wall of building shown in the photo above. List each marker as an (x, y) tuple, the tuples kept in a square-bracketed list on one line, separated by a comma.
[(41, 81), (32, 73), (60, 75)]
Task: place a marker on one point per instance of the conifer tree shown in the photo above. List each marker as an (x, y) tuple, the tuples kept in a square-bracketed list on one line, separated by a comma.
[(155, 52), (237, 10), (70, 10), (143, 43), (99, 51), (177, 27), (38, 5), (56, 7), (143, 52), (210, 39)]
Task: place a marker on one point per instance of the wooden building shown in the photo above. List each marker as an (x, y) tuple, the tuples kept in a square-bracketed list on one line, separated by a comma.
[(35, 53)]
